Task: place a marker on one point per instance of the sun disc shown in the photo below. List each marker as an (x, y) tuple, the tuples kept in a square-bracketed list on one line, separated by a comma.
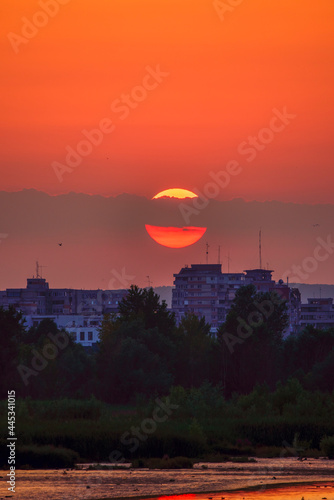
[(175, 237), (175, 193)]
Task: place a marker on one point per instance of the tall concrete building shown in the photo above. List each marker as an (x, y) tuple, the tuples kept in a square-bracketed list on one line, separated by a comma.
[(204, 290)]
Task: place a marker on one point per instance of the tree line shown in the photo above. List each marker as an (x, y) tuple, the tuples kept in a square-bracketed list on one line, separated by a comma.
[(143, 354)]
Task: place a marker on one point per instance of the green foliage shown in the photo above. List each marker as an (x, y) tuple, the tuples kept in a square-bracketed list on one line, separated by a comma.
[(327, 446), (144, 304), (287, 394), (37, 335), (142, 354), (267, 393), (305, 350), (199, 402), (45, 457), (321, 376), (256, 402), (71, 409), (238, 427), (132, 360), (11, 335), (195, 351), (251, 340), (196, 432), (63, 375)]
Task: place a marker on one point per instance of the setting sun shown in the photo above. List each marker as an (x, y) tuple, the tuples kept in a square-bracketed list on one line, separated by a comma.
[(175, 237), (175, 193), (171, 236)]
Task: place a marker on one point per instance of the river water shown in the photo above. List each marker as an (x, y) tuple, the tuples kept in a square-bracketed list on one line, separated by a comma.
[(264, 475)]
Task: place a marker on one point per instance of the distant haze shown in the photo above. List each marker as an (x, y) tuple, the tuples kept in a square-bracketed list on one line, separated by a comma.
[(105, 244)]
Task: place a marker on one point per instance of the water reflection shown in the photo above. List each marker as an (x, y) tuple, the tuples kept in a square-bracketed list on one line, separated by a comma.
[(320, 491)]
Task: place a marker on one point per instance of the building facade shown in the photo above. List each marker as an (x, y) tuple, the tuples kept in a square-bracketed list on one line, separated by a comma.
[(318, 313), (39, 299), (204, 290), (80, 312), (83, 329)]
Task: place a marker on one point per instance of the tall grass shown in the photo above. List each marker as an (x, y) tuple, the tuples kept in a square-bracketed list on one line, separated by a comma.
[(92, 429)]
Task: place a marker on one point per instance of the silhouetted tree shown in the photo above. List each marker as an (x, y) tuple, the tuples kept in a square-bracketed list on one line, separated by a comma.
[(195, 352), (251, 340), (306, 349), (133, 360), (144, 304), (12, 332)]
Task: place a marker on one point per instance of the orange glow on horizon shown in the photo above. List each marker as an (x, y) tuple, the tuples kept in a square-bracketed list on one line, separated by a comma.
[(175, 193), (175, 237)]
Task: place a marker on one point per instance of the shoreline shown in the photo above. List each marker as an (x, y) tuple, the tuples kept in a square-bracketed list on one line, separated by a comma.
[(256, 488), (203, 479)]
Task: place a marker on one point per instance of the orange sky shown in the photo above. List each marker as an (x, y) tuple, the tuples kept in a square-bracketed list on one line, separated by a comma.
[(224, 79)]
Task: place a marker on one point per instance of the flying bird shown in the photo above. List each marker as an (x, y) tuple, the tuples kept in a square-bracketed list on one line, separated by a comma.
[(316, 225), (60, 244)]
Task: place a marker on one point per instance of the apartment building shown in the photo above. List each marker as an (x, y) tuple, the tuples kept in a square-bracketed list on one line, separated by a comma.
[(80, 312), (204, 290), (39, 299), (318, 312)]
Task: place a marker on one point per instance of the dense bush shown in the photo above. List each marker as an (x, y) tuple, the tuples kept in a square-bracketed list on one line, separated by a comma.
[(327, 446), (45, 457)]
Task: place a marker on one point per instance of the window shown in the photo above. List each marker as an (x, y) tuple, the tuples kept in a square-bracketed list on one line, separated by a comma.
[(90, 335), (82, 335)]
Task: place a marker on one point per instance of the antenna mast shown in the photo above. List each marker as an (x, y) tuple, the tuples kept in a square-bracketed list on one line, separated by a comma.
[(260, 248), (228, 261), (218, 254), (149, 282), (207, 253), (38, 267)]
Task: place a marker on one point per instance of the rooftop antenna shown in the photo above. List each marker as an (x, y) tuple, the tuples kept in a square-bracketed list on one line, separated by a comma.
[(218, 254), (38, 267), (260, 248), (320, 291), (149, 282), (228, 261), (207, 253)]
